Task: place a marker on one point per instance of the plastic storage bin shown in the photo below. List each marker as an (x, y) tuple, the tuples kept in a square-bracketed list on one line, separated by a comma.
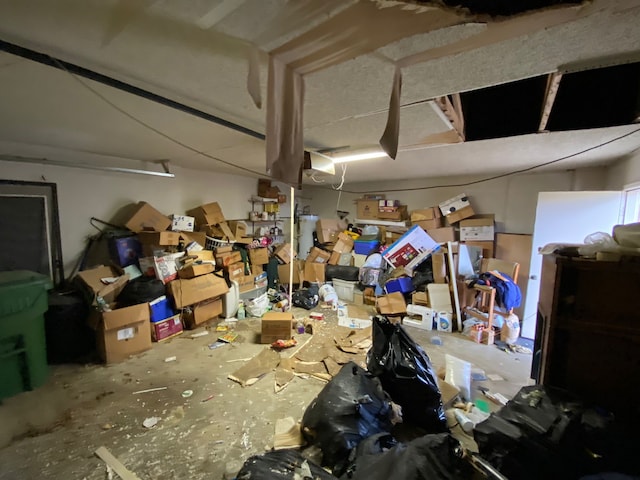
[(344, 289), (365, 247), (23, 353), (402, 285)]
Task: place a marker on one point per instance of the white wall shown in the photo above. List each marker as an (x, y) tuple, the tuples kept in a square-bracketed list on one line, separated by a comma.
[(512, 199), (83, 194), (624, 172)]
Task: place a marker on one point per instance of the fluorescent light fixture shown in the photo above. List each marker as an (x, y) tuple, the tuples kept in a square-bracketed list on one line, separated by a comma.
[(45, 161), (359, 156)]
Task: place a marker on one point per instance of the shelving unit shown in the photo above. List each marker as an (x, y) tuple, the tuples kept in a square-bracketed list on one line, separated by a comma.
[(273, 222)]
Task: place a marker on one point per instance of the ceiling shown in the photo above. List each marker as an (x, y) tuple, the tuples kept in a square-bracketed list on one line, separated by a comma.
[(195, 52)]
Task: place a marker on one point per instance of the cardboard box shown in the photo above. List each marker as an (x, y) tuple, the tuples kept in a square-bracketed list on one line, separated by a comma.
[(395, 214), (122, 332), (166, 329), (265, 189), (164, 268), (284, 251), (226, 259), (420, 298), (182, 223), (314, 272), (202, 312), (487, 248), (317, 255), (298, 273), (190, 237), (344, 243), (481, 228), (392, 304), (220, 230), (141, 216), (426, 214), (125, 251), (439, 267), (153, 242), (238, 228), (258, 256), (194, 290), (90, 283), (203, 255), (392, 236), (195, 270), (276, 326), (208, 214), (236, 272), (442, 235), (336, 258), (456, 208), (410, 250), (367, 209), (328, 229)]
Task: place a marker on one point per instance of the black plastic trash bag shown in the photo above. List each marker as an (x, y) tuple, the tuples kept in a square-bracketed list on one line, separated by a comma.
[(341, 272), (431, 457), (407, 375), (281, 464), (305, 298), (141, 290), (546, 433), (350, 408)]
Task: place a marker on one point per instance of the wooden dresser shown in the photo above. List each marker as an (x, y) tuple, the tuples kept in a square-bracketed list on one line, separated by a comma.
[(588, 331)]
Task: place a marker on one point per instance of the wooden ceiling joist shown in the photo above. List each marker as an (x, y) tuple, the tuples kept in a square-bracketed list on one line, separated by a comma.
[(553, 83)]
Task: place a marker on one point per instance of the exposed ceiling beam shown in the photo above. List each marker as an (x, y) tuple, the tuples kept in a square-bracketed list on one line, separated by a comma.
[(553, 83), (45, 59), (452, 112)]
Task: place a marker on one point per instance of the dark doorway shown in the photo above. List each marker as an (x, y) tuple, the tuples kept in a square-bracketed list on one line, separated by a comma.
[(30, 238)]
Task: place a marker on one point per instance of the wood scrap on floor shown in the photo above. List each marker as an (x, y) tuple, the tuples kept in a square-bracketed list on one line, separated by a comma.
[(315, 369), (252, 371), (287, 434), (115, 464)]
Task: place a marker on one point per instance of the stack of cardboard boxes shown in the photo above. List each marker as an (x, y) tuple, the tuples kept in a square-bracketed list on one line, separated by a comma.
[(377, 207)]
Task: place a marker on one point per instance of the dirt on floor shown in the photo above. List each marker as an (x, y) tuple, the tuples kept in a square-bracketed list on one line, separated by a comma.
[(53, 432)]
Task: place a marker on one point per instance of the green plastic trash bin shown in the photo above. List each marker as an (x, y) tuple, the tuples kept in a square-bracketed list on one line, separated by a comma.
[(23, 355)]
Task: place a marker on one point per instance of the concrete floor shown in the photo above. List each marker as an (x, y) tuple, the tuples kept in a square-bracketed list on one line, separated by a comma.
[(52, 433)]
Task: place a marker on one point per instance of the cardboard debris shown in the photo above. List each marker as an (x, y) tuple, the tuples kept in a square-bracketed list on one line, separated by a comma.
[(256, 368), (283, 377), (340, 357), (332, 366), (287, 434), (314, 352), (355, 341), (315, 369)]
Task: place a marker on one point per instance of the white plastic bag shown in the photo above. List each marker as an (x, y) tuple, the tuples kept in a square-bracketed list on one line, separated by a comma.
[(510, 331), (257, 306), (458, 373)]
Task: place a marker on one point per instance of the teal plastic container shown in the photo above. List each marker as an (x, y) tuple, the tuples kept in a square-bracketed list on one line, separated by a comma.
[(23, 354)]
